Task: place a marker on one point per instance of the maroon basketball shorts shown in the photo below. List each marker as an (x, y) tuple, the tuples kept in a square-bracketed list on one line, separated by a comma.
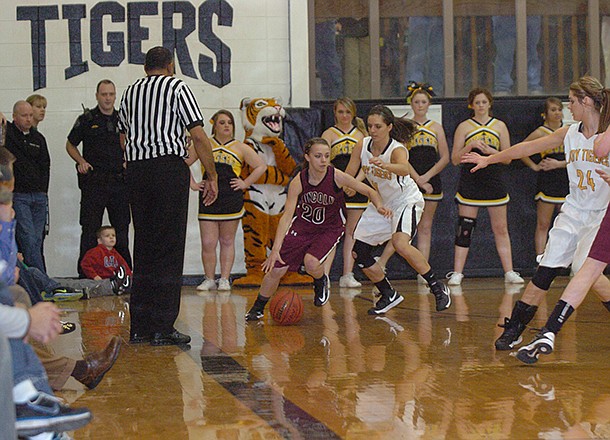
[(600, 250), (297, 243)]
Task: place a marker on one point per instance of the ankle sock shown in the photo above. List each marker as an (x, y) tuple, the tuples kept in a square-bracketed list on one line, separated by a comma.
[(523, 313), (384, 286), (430, 277), (80, 370), (559, 316), (24, 391), (260, 303)]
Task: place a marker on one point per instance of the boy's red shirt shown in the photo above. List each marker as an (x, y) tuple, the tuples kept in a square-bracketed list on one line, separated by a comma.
[(102, 262)]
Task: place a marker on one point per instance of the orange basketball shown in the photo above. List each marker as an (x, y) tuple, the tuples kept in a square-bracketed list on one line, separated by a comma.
[(286, 307)]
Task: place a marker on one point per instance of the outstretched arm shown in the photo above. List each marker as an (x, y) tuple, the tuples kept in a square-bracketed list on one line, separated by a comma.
[(517, 151), (342, 179)]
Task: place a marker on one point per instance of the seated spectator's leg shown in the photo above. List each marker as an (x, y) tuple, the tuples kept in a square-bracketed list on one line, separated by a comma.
[(7, 406), (27, 366), (94, 288), (27, 282), (58, 368)]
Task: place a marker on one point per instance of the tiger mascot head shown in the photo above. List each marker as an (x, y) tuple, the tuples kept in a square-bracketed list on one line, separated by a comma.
[(262, 117)]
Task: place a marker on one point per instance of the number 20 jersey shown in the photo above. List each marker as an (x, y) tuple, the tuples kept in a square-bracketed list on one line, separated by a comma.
[(587, 189)]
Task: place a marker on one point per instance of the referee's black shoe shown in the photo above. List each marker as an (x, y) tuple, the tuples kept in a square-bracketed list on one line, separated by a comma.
[(172, 338)]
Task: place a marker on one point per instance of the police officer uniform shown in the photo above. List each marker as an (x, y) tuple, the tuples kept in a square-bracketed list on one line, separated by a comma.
[(102, 187)]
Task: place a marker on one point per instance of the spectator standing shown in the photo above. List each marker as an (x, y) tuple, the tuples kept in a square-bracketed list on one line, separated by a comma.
[(154, 139), (101, 174), (32, 171)]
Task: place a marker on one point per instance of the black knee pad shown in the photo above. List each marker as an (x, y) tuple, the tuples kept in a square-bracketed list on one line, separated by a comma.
[(465, 228), (544, 276), (363, 254)]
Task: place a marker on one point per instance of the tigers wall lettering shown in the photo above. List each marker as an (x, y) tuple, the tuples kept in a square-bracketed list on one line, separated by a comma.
[(128, 42)]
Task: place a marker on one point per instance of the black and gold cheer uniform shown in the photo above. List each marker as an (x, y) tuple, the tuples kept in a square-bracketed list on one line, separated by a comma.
[(423, 155), (230, 203), (486, 186), (340, 153), (552, 186)]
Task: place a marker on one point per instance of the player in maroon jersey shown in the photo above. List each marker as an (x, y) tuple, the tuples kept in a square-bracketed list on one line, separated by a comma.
[(312, 224)]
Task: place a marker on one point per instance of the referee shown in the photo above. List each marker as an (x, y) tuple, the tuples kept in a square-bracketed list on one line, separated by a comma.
[(155, 113)]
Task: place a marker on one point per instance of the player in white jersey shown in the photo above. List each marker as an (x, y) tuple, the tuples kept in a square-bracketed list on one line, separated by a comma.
[(384, 159), (576, 225)]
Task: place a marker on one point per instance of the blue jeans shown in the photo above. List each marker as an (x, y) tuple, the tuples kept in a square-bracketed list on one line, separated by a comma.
[(34, 281), (26, 365), (425, 56), (505, 40), (31, 214)]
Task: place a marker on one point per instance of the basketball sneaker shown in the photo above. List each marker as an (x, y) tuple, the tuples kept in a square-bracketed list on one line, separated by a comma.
[(511, 335), (321, 291), (60, 294), (543, 343), (442, 296), (349, 281), (120, 281), (455, 278), (386, 302), (254, 314)]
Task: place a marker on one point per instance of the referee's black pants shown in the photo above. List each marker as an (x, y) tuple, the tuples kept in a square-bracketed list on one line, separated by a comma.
[(159, 192)]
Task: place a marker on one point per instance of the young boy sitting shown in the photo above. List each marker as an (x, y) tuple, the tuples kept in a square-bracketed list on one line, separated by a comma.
[(103, 262), (105, 269)]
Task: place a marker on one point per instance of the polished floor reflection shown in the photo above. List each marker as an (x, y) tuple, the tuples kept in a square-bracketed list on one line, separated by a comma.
[(340, 373)]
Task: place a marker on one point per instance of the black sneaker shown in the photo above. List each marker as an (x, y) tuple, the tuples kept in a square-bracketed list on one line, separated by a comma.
[(47, 413), (442, 295), (321, 291), (543, 343), (254, 315), (118, 280), (511, 335), (385, 303), (172, 338)]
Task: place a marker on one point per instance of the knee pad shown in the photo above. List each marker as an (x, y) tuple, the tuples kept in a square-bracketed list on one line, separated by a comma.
[(544, 276), (363, 254), (465, 228)]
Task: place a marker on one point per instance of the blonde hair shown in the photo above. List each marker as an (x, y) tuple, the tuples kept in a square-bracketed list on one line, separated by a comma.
[(593, 88), (349, 104), (33, 99)]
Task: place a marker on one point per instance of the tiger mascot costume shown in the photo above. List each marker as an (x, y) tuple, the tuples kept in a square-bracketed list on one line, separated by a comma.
[(264, 202)]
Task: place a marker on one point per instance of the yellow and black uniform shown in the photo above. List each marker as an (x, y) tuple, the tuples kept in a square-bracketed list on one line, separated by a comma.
[(340, 153), (230, 203), (486, 186), (552, 186), (423, 155)]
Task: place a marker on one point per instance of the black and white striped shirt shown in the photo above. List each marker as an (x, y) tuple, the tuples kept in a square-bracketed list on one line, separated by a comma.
[(155, 113)]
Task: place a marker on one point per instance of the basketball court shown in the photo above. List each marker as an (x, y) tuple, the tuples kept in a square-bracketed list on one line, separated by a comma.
[(340, 373)]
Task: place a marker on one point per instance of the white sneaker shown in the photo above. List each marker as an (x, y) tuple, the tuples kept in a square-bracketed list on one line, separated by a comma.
[(349, 281), (207, 284), (513, 277), (224, 284), (455, 278)]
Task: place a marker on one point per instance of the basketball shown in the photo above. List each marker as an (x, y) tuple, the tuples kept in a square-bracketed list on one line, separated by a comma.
[(286, 307)]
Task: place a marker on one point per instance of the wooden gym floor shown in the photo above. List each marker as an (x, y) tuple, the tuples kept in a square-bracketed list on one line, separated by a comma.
[(340, 373)]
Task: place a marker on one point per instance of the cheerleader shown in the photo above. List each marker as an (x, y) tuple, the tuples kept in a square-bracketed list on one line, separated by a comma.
[(487, 135), (428, 155), (552, 183)]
